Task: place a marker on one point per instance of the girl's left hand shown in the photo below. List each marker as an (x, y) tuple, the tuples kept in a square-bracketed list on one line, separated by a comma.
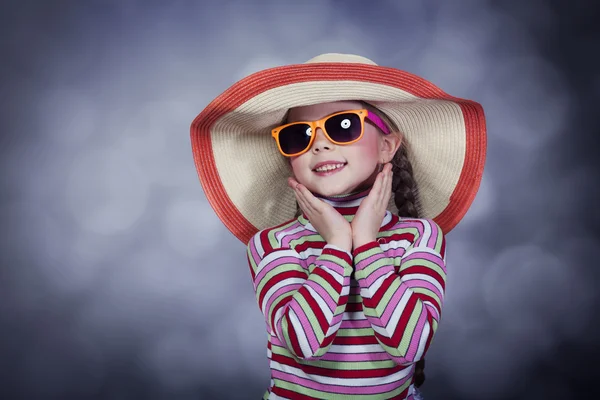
[(370, 214)]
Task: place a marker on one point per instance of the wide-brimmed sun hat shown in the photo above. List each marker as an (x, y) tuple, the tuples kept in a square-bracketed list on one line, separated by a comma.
[(244, 176)]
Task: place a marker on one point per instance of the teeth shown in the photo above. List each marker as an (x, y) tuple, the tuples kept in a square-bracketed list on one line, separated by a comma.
[(329, 167)]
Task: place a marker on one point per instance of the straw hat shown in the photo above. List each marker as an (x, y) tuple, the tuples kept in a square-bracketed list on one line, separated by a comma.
[(245, 177)]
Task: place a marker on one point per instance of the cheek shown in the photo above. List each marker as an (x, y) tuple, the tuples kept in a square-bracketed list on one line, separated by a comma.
[(298, 165)]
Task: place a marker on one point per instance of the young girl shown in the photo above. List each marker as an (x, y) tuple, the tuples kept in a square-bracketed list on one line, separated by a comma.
[(342, 178)]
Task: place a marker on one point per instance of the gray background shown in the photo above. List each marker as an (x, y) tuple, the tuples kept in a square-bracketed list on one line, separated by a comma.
[(119, 282)]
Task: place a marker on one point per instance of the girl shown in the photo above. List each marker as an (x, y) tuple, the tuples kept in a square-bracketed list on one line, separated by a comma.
[(379, 164)]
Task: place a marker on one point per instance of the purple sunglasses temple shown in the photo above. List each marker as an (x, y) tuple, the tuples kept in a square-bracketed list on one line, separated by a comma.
[(378, 121)]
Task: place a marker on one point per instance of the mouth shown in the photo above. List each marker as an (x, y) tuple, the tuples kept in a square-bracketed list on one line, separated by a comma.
[(329, 168)]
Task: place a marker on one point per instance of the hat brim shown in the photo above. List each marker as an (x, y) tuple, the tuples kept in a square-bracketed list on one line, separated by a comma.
[(243, 175)]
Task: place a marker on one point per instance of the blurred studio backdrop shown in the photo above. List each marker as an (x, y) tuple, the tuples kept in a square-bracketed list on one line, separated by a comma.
[(117, 280)]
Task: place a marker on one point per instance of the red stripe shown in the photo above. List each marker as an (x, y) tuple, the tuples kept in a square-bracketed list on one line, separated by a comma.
[(402, 322), (419, 269), (443, 248), (354, 307), (335, 285), (292, 335), (378, 295), (393, 221), (337, 373), (288, 394), (276, 306), (309, 244), (316, 310), (355, 340), (277, 278)]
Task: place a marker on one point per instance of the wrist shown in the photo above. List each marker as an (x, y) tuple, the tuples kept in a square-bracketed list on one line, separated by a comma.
[(361, 240), (342, 243)]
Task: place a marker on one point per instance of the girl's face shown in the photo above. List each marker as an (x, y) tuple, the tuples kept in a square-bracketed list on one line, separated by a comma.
[(359, 161)]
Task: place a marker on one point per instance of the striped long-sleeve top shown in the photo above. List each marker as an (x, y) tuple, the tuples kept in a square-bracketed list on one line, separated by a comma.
[(348, 325)]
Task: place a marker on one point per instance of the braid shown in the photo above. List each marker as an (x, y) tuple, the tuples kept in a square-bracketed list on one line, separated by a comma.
[(404, 185)]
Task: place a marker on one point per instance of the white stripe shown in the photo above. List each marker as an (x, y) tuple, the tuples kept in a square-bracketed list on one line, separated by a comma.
[(422, 249), (258, 245), (393, 322), (276, 287), (394, 244), (426, 233), (423, 341), (333, 328), (274, 256), (352, 382), (286, 232), (300, 334), (355, 348), (354, 316), (424, 277), (368, 293), (321, 302)]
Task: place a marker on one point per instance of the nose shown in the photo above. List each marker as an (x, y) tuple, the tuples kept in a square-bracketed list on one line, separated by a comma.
[(321, 142)]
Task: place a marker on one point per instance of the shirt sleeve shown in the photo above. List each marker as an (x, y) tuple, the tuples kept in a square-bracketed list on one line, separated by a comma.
[(302, 307), (404, 305)]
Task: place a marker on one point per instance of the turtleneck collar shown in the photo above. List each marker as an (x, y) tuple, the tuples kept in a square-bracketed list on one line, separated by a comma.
[(347, 205)]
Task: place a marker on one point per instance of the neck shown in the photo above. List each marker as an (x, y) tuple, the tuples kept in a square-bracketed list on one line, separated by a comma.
[(347, 205)]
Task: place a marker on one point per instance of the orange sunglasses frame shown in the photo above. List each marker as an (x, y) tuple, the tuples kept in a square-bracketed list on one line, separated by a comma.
[(362, 114)]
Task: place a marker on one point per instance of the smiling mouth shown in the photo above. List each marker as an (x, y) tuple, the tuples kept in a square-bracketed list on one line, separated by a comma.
[(329, 168)]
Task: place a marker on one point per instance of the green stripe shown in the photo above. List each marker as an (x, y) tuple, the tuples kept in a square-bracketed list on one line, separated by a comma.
[(349, 332), (325, 285), (425, 263), (387, 296), (277, 270), (332, 396), (410, 328), (369, 269), (335, 259), (366, 254), (312, 319)]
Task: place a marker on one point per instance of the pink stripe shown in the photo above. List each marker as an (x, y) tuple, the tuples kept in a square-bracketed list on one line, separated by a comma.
[(276, 263), (338, 269), (324, 294), (254, 252), (434, 236), (423, 255), (419, 283), (276, 294), (392, 304), (307, 330), (337, 389), (356, 357), (414, 223), (285, 241), (355, 324), (367, 282), (416, 336), (370, 260)]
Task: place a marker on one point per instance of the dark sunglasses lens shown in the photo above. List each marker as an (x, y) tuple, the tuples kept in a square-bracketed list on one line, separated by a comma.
[(343, 128), (295, 138)]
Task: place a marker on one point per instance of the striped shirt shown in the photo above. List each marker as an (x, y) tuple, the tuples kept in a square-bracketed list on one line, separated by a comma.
[(347, 325)]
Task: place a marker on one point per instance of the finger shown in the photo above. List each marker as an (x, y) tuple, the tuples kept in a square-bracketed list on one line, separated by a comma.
[(315, 204), (301, 195), (301, 202), (292, 183)]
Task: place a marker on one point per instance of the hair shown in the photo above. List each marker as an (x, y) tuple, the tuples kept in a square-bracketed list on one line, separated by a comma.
[(404, 186)]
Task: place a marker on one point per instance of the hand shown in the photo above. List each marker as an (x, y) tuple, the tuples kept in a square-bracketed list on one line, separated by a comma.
[(370, 214), (330, 224)]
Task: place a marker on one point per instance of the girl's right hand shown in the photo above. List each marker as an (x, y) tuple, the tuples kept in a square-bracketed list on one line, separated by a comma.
[(330, 224)]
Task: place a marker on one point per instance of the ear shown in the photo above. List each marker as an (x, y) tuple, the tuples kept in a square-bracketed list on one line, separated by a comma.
[(388, 146)]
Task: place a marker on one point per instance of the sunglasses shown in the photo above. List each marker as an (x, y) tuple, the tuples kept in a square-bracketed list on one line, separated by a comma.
[(341, 128)]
